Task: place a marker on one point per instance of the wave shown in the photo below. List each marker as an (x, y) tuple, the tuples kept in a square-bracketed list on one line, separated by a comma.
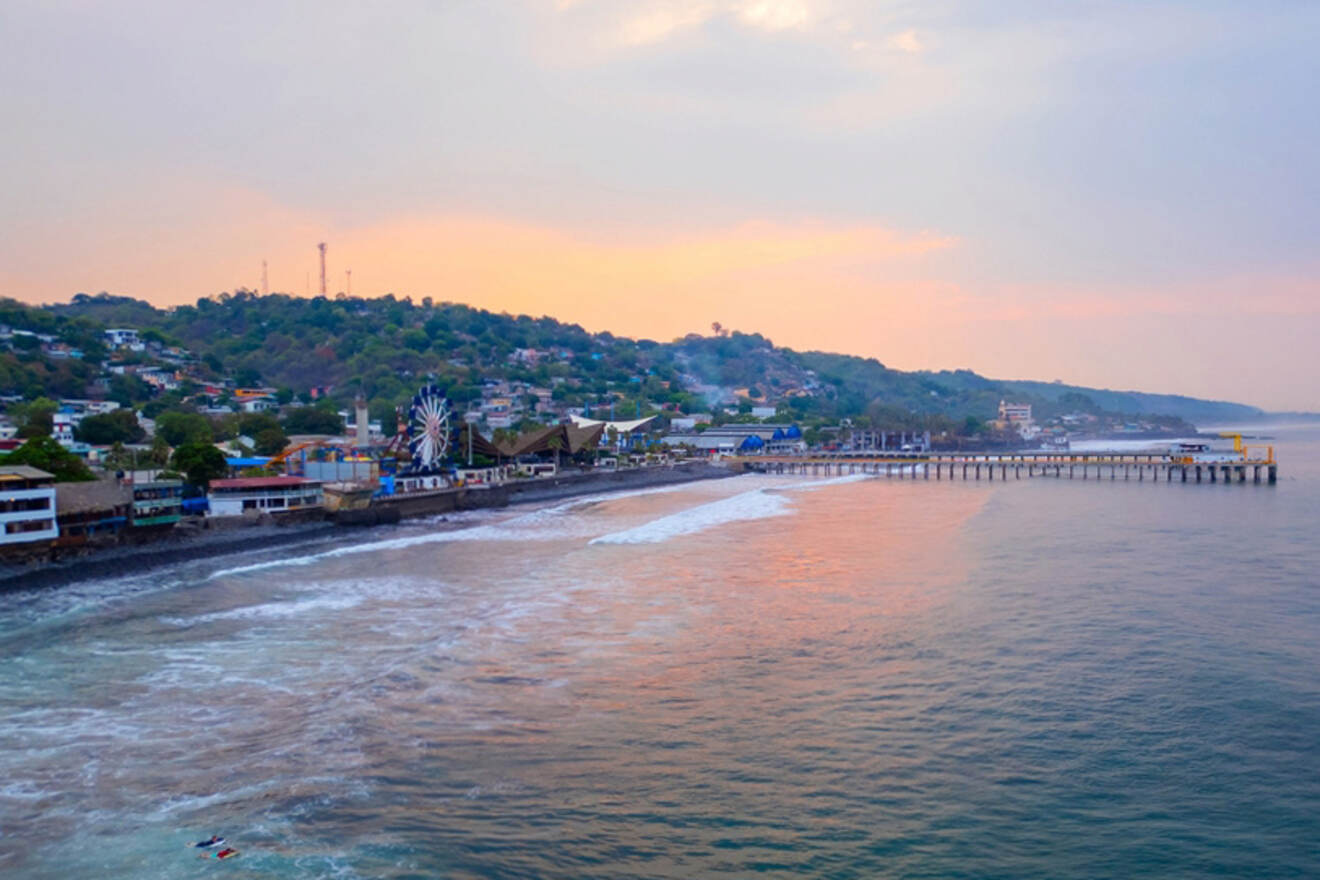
[(757, 504), (535, 525), (272, 610), (551, 523)]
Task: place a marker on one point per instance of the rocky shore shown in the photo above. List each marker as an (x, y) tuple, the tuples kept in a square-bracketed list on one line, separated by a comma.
[(232, 535)]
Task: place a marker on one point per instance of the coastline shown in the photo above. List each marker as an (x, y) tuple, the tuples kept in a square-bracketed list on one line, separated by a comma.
[(121, 561)]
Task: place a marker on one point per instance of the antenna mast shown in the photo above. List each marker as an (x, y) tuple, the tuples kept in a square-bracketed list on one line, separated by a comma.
[(265, 283), (321, 247), (348, 282)]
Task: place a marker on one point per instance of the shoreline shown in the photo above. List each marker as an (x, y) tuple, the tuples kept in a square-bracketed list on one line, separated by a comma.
[(122, 561)]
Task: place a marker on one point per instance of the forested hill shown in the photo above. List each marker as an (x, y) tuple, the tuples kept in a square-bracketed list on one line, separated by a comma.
[(386, 346)]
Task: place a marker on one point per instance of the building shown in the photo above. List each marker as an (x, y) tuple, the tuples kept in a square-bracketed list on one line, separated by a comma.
[(258, 404), (62, 424), (156, 504), (160, 379), (27, 506), (243, 495), (852, 439), (92, 512), (124, 338), (1016, 417), (742, 438), (619, 435), (1014, 413), (690, 421)]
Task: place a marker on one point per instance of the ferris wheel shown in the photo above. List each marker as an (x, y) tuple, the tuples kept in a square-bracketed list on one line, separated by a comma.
[(428, 428)]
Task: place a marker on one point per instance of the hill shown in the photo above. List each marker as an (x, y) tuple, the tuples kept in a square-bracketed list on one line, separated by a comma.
[(385, 347)]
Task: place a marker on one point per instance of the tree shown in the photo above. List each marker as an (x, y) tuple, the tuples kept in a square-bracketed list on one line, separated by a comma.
[(37, 417), (200, 463), (159, 456), (48, 455), (178, 428), (556, 443), (120, 426), (127, 390), (270, 441), (313, 420), (253, 424)]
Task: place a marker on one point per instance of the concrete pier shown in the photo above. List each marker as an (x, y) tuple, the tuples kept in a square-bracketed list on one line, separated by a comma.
[(975, 466)]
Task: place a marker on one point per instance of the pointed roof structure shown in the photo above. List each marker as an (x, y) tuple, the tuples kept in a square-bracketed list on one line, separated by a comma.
[(620, 427), (572, 440)]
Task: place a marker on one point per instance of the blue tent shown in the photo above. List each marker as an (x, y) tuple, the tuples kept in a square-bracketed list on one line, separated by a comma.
[(778, 434), (751, 442), (793, 432)]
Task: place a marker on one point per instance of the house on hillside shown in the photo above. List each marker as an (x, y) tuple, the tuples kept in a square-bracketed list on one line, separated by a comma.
[(124, 337)]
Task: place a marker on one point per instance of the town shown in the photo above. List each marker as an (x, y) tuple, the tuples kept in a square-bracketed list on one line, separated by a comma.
[(166, 439)]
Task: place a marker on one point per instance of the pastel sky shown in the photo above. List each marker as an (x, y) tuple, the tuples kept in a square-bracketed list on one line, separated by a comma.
[(1120, 194)]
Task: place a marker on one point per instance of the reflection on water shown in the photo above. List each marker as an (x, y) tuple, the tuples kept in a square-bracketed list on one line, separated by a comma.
[(855, 678)]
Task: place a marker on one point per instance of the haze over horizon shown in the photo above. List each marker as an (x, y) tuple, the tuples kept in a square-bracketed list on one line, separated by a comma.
[(1118, 195)]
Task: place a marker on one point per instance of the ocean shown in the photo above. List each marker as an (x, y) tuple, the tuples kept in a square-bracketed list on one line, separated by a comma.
[(773, 677)]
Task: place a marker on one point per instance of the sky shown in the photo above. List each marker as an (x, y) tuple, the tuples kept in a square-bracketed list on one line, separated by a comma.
[(1116, 194)]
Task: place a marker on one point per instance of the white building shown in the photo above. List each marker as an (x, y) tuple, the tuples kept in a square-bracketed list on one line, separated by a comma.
[(124, 337), (62, 428), (27, 506), (258, 405), (262, 495)]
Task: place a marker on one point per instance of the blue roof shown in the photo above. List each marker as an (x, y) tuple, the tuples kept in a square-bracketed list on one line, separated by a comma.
[(256, 461)]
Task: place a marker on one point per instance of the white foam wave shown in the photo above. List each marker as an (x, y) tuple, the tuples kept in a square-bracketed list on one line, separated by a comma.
[(532, 526), (832, 481), (272, 610), (757, 504)]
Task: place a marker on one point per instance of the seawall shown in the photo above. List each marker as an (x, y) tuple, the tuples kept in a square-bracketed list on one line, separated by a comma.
[(231, 535)]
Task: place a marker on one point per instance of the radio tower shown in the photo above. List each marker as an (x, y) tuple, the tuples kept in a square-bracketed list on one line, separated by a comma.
[(321, 247), (348, 282), (265, 284)]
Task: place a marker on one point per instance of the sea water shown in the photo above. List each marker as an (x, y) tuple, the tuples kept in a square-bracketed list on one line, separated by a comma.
[(779, 677)]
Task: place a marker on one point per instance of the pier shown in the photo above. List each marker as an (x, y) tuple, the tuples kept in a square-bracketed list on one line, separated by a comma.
[(1129, 466)]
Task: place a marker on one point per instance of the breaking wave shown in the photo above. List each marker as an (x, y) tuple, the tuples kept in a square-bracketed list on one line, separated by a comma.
[(756, 504), (543, 524), (272, 610)]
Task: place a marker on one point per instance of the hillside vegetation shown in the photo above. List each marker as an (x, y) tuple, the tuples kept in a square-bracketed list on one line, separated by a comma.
[(385, 347)]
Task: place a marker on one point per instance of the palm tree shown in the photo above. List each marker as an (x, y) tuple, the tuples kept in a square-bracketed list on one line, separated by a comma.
[(556, 443)]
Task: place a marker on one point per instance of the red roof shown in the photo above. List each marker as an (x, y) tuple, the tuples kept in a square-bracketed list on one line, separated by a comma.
[(261, 483)]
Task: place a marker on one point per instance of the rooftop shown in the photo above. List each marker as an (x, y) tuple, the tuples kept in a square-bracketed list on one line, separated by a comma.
[(91, 495), (24, 472), (262, 483)]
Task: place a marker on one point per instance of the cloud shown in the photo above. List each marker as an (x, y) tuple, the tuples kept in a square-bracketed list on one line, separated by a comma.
[(660, 21), (907, 41), (651, 22), (775, 15)]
